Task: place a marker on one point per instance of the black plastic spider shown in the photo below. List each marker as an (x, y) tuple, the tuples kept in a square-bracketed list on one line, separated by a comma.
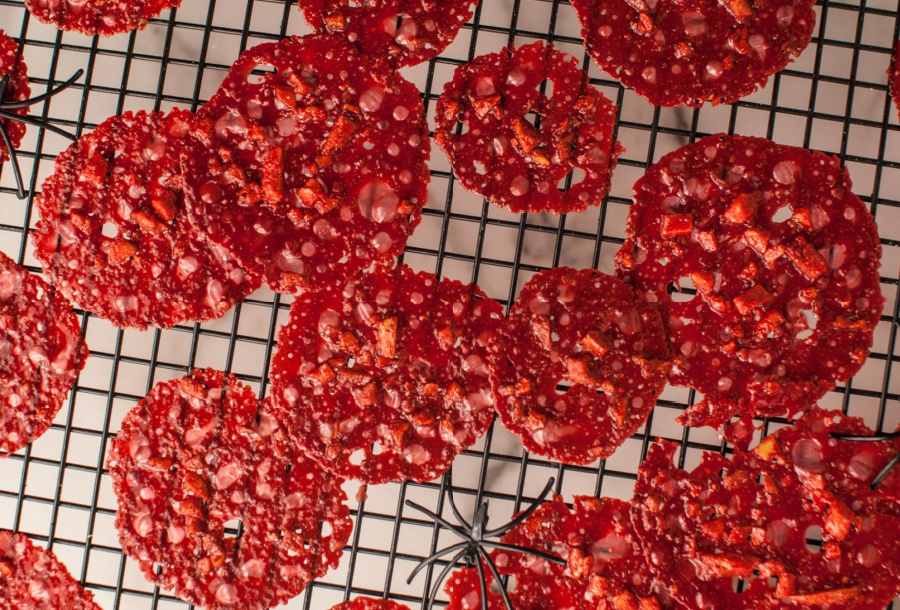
[(887, 436), (6, 107), (472, 551)]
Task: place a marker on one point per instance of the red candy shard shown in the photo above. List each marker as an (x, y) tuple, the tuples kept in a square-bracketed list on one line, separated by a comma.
[(98, 17), (893, 75), (749, 518), (586, 329), (784, 259), (690, 52), (195, 455), (502, 155), (17, 90), (369, 603), (41, 353), (273, 167), (33, 578), (114, 234), (394, 359), (400, 32)]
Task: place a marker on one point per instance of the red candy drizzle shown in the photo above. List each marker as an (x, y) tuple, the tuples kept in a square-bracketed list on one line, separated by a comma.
[(502, 154), (784, 259)]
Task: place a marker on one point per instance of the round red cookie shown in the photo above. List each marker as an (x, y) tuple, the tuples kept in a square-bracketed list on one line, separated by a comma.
[(369, 603), (893, 76), (586, 329), (98, 17), (313, 172), (784, 308), (605, 566), (689, 52), (41, 353), (32, 578), (389, 375), (114, 234), (502, 155), (401, 32), (749, 518), (193, 457), (17, 90)]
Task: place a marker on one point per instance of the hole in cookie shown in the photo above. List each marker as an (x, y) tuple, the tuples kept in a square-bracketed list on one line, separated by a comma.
[(109, 230), (327, 530), (259, 74), (563, 386), (571, 179), (782, 214), (814, 538), (376, 448), (547, 87), (681, 290), (510, 585), (233, 528), (811, 319), (357, 457)]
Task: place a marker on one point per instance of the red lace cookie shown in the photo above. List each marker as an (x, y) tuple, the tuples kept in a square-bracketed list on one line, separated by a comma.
[(605, 566), (313, 172), (784, 259), (586, 329), (893, 76), (749, 518), (369, 603), (690, 52), (98, 17), (195, 455), (388, 375), (114, 234), (501, 153), (17, 90), (41, 354), (402, 32), (32, 578)]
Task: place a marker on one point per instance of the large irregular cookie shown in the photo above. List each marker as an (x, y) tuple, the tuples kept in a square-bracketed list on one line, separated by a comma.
[(389, 374), (402, 32), (192, 457), (17, 90), (369, 603), (512, 160), (32, 578), (588, 330), (784, 258), (41, 353), (114, 234), (101, 17), (690, 52), (749, 518), (605, 567), (314, 171)]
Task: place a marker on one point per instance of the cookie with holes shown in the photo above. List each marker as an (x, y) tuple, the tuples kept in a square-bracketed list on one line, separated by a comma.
[(587, 360), (690, 52), (313, 170), (401, 32), (33, 578), (195, 456), (16, 90), (114, 234), (749, 518), (93, 17), (369, 603), (41, 354), (485, 122), (784, 261), (389, 374)]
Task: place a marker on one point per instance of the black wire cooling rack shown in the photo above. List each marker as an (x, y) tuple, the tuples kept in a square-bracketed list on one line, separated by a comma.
[(833, 98)]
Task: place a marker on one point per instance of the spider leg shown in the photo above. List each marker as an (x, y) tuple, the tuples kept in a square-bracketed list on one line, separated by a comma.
[(28, 120), (430, 560), (50, 93), (453, 507), (496, 573), (14, 160), (885, 436), (428, 601), (482, 582), (524, 550), (453, 528), (525, 514), (884, 472)]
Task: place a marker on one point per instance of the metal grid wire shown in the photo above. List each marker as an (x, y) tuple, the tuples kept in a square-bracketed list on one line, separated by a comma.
[(833, 98)]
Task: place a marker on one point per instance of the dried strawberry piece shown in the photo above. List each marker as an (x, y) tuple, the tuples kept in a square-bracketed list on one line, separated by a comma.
[(369, 603), (587, 329), (787, 283), (195, 455), (605, 566), (17, 90), (98, 17), (893, 75), (33, 578), (313, 172), (114, 235), (389, 374), (504, 155), (749, 518), (401, 32), (41, 353), (693, 51)]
